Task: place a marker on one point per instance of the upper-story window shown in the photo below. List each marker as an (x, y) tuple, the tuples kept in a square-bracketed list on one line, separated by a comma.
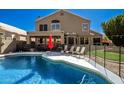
[(43, 27), (55, 25), (85, 26)]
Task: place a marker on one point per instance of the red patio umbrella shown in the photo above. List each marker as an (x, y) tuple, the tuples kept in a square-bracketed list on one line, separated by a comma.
[(50, 43)]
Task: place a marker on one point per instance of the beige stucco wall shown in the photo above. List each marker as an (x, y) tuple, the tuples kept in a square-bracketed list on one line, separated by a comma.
[(8, 41), (69, 22), (10, 35)]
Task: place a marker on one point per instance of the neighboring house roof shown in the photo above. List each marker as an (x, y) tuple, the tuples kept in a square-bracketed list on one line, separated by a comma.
[(40, 18), (107, 41), (12, 29)]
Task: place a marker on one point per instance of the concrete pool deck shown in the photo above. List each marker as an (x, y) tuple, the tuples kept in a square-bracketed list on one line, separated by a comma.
[(83, 62), (87, 63)]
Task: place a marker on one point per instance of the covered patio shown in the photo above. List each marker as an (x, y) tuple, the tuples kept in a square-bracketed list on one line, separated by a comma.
[(43, 37)]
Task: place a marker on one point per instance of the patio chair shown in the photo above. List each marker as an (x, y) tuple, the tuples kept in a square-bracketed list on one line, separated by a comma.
[(77, 50), (65, 49), (80, 53), (71, 50)]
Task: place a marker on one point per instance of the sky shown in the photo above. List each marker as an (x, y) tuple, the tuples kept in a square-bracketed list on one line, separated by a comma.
[(25, 18)]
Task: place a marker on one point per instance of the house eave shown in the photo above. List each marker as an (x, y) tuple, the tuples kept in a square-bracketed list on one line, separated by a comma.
[(41, 18)]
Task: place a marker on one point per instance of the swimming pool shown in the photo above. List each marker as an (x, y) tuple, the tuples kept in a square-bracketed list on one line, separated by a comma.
[(35, 69)]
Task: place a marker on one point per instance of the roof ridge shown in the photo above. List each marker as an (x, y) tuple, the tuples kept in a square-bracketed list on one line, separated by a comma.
[(59, 11), (47, 15)]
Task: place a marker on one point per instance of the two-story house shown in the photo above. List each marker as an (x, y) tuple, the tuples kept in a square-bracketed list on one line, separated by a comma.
[(66, 28)]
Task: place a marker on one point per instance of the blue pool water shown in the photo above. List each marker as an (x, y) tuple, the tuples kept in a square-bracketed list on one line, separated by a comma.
[(37, 70)]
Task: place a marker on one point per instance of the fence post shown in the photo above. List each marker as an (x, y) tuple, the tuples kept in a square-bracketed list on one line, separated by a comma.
[(95, 54), (120, 60), (89, 52), (104, 55)]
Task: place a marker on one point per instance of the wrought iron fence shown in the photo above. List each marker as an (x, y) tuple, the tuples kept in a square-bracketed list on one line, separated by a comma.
[(110, 57)]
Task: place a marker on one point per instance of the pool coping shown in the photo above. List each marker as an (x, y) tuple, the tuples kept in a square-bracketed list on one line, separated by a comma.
[(96, 67), (83, 62), (21, 53), (94, 71), (112, 76)]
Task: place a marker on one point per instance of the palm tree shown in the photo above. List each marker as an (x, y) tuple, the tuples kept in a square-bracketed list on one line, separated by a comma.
[(114, 29)]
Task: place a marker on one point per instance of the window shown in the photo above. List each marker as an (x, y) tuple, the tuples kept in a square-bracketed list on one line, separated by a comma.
[(55, 21), (86, 41), (81, 40), (84, 26), (55, 25), (96, 41), (43, 27)]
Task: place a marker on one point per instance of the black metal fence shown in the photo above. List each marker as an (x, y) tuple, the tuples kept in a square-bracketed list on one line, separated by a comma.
[(110, 57)]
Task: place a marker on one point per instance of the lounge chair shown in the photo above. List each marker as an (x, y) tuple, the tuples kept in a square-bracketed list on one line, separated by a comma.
[(81, 52), (71, 50), (77, 50), (65, 49)]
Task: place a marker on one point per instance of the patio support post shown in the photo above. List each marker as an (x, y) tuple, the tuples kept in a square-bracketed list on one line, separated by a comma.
[(91, 40), (74, 40), (66, 40), (79, 40), (62, 39), (28, 39), (84, 41), (36, 40)]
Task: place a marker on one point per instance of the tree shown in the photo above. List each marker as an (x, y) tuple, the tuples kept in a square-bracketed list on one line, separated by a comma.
[(114, 29), (105, 38)]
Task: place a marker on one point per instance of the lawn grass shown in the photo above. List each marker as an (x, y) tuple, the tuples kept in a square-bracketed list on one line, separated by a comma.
[(109, 55)]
